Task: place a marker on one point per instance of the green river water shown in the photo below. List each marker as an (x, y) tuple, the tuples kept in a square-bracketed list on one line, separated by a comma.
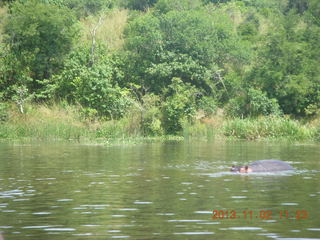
[(173, 190)]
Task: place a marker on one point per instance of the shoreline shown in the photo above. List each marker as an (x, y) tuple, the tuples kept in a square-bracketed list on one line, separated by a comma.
[(58, 123)]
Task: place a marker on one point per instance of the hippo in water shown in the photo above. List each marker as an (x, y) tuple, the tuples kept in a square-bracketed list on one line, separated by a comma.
[(263, 166)]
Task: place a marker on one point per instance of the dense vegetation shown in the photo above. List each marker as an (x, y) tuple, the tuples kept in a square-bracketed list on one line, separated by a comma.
[(161, 67)]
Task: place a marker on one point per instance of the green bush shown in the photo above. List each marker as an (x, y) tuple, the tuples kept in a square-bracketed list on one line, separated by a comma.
[(192, 45), (207, 104), (180, 105), (316, 133), (93, 85), (39, 37), (165, 6), (151, 115), (253, 103), (141, 5), (4, 115)]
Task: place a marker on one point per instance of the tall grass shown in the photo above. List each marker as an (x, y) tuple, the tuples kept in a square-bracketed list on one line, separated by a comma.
[(267, 127), (65, 122), (110, 26), (207, 129), (44, 122)]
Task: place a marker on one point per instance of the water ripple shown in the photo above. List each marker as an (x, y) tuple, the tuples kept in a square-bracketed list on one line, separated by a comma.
[(298, 239), (313, 229), (37, 227), (245, 228), (140, 202), (187, 220), (194, 233), (60, 229)]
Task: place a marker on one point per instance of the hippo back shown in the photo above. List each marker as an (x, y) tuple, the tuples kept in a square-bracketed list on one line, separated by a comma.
[(270, 166)]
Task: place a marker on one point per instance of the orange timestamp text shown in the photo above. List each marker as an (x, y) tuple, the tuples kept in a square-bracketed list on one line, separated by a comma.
[(262, 214)]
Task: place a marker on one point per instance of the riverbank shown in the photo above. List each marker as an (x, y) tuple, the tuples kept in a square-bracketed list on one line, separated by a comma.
[(65, 122)]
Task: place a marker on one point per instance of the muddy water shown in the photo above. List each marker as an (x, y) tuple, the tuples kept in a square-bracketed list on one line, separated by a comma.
[(157, 191)]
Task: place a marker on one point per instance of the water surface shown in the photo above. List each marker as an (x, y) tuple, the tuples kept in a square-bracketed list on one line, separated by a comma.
[(157, 191)]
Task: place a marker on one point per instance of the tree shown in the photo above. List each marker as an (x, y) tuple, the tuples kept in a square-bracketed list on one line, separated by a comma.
[(84, 8), (298, 5), (253, 103), (216, 1), (93, 85), (286, 67), (39, 37), (165, 6), (180, 105), (141, 5), (191, 45)]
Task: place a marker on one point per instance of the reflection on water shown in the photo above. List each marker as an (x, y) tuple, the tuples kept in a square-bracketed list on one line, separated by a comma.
[(157, 191)]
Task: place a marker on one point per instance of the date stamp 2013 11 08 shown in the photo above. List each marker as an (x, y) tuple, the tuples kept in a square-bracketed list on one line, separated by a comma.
[(262, 214)]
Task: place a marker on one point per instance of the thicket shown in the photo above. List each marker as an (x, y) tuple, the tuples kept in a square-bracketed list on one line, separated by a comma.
[(164, 64)]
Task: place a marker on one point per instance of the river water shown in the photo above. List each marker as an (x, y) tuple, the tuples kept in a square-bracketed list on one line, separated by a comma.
[(173, 190)]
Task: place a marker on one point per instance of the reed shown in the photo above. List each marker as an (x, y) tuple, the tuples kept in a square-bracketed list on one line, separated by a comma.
[(44, 122), (207, 129), (60, 121), (267, 127)]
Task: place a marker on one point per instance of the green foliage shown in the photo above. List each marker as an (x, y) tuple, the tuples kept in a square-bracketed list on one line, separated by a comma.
[(3, 2), (287, 68), (216, 1), (84, 8), (39, 36), (298, 5), (249, 28), (207, 104), (165, 6), (199, 130), (151, 115), (93, 86), (4, 115), (21, 96), (44, 123), (267, 127), (89, 114), (316, 135), (141, 5), (313, 13), (177, 57), (12, 73), (113, 129), (180, 105), (191, 45), (253, 104)]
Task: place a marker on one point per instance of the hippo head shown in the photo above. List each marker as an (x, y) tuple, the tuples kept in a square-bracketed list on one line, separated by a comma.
[(240, 169), (235, 168)]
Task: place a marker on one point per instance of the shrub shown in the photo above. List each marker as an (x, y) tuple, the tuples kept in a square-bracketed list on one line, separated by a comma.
[(4, 116), (252, 104), (151, 115), (316, 134), (208, 105), (40, 36), (179, 106), (93, 85)]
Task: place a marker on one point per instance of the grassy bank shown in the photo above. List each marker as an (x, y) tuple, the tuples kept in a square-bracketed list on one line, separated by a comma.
[(65, 122), (58, 122), (269, 128)]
